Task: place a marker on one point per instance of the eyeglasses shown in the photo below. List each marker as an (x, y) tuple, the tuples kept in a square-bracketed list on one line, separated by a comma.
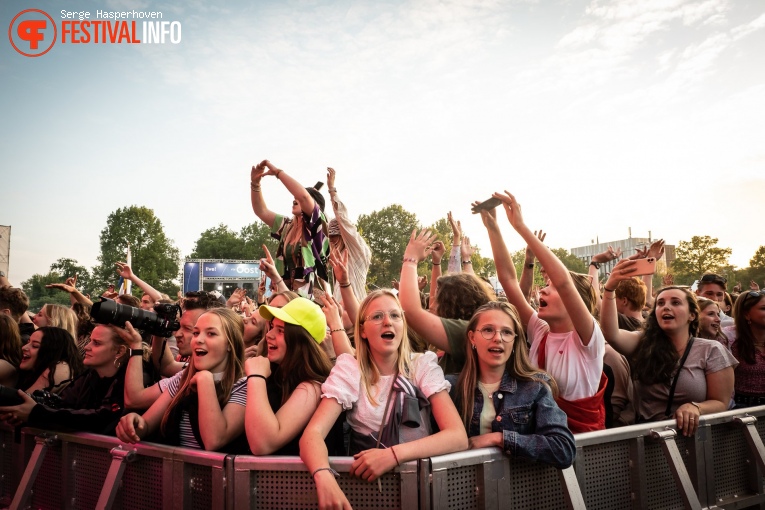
[(714, 278), (757, 294), (505, 334), (378, 317)]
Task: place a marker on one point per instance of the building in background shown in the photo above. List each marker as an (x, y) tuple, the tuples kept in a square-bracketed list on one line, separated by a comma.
[(628, 247), (221, 275), (5, 248)]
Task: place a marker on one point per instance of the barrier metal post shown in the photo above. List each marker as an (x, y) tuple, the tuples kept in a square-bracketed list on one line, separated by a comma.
[(120, 458), (679, 473), (23, 492)]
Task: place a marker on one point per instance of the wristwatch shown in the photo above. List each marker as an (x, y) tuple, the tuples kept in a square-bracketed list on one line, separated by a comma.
[(136, 352), (594, 264)]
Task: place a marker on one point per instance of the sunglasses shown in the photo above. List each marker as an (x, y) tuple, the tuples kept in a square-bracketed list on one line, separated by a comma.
[(714, 278), (756, 294)]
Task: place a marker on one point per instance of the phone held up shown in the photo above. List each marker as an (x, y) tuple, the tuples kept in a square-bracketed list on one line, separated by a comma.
[(486, 205), (645, 266)]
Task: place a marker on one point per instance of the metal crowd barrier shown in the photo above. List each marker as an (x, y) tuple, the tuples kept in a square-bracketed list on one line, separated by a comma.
[(643, 466)]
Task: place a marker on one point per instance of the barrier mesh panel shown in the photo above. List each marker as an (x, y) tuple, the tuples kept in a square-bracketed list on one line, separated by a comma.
[(198, 493), (47, 490), (90, 466), (462, 487), (729, 454), (7, 476), (142, 484), (283, 490), (661, 491), (535, 485), (607, 475)]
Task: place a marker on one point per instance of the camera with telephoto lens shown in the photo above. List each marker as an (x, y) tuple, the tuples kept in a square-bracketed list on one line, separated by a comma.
[(161, 322), (11, 397)]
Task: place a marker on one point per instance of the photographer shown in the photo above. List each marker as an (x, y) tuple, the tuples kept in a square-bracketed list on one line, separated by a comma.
[(93, 402)]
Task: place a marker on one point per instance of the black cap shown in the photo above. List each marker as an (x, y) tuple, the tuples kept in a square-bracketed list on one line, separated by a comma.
[(317, 196)]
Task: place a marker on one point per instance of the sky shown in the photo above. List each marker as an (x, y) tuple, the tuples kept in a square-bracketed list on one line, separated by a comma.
[(599, 116)]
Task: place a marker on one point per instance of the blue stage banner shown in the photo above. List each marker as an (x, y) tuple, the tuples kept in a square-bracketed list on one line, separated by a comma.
[(228, 270), (190, 277)]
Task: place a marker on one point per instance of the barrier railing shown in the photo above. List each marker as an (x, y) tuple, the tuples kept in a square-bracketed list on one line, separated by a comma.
[(642, 466)]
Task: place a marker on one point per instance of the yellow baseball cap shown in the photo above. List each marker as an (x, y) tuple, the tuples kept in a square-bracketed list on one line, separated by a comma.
[(300, 312)]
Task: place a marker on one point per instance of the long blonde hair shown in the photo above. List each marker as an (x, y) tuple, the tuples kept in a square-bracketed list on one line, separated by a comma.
[(370, 374), (60, 316), (518, 365), (233, 329)]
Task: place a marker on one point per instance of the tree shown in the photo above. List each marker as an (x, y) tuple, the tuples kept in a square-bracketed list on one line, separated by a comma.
[(38, 295), (223, 243), (387, 232), (758, 260), (482, 266), (154, 257), (698, 256), (67, 268), (571, 261)]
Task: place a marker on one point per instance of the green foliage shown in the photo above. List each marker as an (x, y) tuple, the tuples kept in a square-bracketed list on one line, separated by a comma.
[(223, 243), (67, 268), (519, 259), (571, 261), (38, 295), (698, 256), (387, 232), (758, 260), (154, 257)]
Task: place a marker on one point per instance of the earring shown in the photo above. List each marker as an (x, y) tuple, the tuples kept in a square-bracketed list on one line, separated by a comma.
[(117, 362), (473, 345)]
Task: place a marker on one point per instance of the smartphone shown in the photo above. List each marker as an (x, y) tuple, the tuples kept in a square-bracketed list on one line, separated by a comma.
[(645, 266), (318, 293), (487, 205)]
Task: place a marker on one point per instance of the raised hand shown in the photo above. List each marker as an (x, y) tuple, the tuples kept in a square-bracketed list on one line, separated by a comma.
[(330, 178), (607, 256), (488, 217), (419, 245), (124, 270), (456, 228), (466, 251), (656, 250), (512, 209), (339, 262), (437, 250)]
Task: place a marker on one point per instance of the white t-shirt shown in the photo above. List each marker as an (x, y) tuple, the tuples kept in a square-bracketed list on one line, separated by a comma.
[(576, 367), (238, 396), (344, 385)]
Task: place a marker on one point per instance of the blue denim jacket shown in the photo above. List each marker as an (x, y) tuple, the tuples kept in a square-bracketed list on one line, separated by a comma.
[(532, 425)]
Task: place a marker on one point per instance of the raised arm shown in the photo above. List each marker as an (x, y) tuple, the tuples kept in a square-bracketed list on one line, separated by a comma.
[(75, 295), (360, 253), (136, 396), (436, 254), (625, 342), (256, 194), (339, 262), (296, 189), (466, 253), (454, 265), (426, 324), (126, 272), (340, 342), (559, 276), (506, 273), (268, 267), (527, 274)]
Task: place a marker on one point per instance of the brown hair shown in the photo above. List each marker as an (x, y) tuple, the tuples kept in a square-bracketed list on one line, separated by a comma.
[(232, 327), (518, 366), (14, 300), (633, 290), (458, 296), (655, 359), (10, 340), (744, 346)]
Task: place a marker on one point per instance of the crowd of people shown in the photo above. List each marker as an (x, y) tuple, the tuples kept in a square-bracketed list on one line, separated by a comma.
[(322, 367)]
